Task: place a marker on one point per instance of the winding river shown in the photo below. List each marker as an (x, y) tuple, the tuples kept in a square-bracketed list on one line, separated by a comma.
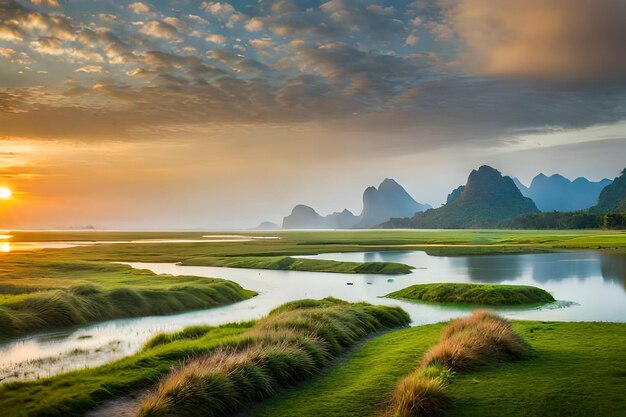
[(590, 286)]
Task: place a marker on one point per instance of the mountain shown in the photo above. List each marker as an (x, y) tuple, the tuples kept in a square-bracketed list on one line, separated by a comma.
[(613, 196), (455, 194), (304, 217), (388, 201), (380, 204), (557, 193), (521, 186), (487, 200), (342, 220), (267, 226)]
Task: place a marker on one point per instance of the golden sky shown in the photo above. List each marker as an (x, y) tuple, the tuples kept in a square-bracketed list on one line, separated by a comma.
[(181, 114)]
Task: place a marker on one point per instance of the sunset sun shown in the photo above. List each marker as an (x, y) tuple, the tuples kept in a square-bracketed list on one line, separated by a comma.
[(5, 193)]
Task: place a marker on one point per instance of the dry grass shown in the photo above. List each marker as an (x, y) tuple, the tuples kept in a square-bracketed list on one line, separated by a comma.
[(479, 340), (417, 395)]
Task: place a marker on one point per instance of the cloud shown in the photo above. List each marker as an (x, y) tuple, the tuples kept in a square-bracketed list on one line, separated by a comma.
[(7, 52), (552, 40), (139, 7), (223, 11), (89, 69), (48, 46), (54, 46), (11, 34), (160, 30), (216, 38), (54, 4), (254, 25)]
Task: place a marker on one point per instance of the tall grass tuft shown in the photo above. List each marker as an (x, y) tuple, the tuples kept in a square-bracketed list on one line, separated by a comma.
[(417, 395), (288, 346), (479, 340)]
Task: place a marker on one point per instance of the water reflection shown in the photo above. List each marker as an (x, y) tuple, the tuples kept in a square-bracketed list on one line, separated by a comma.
[(613, 268), (491, 269)]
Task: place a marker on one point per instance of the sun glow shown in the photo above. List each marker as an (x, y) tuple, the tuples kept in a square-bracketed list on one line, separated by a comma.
[(5, 193)]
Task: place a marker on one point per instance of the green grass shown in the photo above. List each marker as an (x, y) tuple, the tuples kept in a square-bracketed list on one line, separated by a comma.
[(447, 242), (311, 331), (287, 263), (41, 294), (577, 369), (479, 294)]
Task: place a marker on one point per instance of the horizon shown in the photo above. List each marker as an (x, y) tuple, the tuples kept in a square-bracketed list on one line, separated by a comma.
[(214, 115)]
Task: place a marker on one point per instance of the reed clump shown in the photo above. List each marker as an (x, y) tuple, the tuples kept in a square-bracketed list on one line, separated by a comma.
[(480, 340)]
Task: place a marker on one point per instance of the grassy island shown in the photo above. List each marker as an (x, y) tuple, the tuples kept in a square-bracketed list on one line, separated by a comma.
[(288, 263), (45, 295), (479, 294)]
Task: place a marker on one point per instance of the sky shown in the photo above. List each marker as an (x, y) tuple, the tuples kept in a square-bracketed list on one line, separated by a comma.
[(207, 114)]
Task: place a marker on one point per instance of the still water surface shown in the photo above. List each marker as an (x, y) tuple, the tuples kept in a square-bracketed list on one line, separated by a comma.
[(590, 286)]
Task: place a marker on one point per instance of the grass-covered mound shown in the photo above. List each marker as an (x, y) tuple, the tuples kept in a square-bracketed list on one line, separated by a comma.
[(480, 294), (287, 347), (287, 263), (54, 295)]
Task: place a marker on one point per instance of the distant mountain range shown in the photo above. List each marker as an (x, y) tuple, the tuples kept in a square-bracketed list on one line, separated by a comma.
[(557, 193), (486, 200), (380, 204)]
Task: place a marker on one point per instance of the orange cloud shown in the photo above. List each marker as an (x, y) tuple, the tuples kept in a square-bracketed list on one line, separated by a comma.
[(568, 40)]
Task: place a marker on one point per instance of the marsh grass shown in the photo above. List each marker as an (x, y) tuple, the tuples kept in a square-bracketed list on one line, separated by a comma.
[(483, 294), (478, 341), (288, 263), (288, 346)]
